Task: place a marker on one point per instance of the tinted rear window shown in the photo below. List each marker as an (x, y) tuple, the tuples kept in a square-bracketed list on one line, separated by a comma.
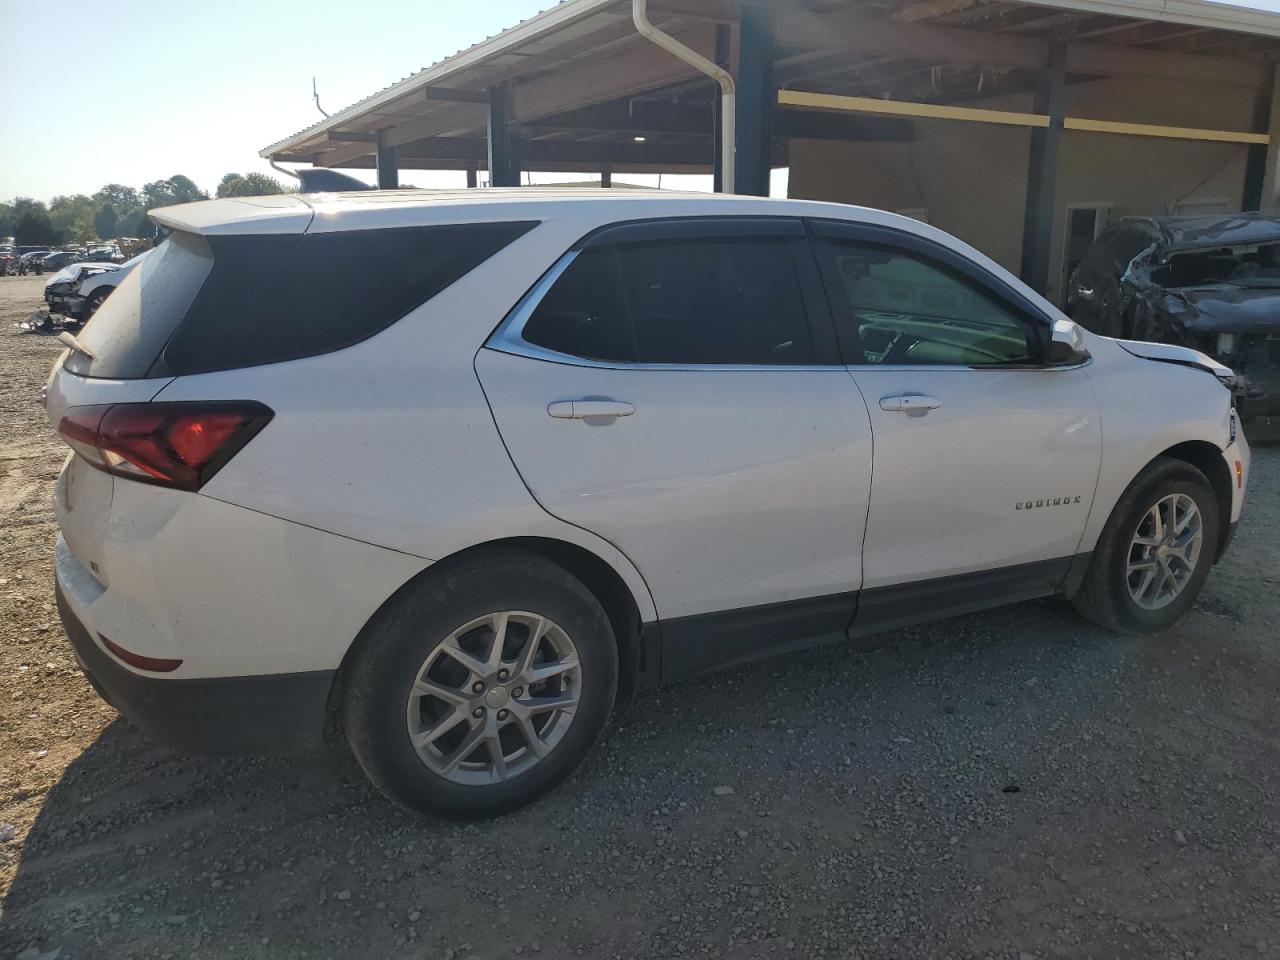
[(133, 324), (218, 303), (704, 301)]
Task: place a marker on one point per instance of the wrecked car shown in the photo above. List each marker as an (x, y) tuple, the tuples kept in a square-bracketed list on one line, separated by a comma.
[(1207, 282), (78, 289)]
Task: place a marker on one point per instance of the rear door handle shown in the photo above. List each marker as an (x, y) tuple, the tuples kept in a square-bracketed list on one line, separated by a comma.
[(910, 403), (582, 409)]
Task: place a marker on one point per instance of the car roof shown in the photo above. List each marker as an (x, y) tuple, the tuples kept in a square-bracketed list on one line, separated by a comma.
[(294, 212), (578, 210), (1189, 232)]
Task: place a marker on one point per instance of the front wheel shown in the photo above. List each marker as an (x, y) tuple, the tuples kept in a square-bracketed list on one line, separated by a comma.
[(1155, 552), (93, 303), (481, 690)]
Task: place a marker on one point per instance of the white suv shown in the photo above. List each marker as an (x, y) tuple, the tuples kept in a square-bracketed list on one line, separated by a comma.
[(459, 471)]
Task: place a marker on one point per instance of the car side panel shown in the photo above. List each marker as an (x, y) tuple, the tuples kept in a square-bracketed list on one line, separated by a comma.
[(1001, 474), (1148, 407), (184, 585), (729, 488), (391, 441)]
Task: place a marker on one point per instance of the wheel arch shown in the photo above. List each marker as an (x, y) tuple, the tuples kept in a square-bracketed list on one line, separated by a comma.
[(638, 650), (1207, 458)]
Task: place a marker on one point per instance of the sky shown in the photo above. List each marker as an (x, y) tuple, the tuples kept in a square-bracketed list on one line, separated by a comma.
[(139, 90)]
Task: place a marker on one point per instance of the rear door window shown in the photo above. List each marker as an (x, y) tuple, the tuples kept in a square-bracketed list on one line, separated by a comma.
[(200, 304), (733, 301)]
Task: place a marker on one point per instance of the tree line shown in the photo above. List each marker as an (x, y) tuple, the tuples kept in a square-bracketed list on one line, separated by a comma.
[(115, 210)]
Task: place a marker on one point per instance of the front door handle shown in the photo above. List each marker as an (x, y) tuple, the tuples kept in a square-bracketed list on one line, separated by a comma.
[(916, 403), (589, 409)]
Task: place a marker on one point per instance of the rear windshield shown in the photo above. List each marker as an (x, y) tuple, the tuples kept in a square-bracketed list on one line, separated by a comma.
[(199, 304)]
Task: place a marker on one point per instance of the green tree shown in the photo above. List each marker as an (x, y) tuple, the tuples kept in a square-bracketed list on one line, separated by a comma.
[(106, 222), (185, 190), (250, 185), (7, 220), (24, 205), (176, 189), (158, 193), (140, 226), (72, 217), (33, 228), (228, 185), (119, 196)]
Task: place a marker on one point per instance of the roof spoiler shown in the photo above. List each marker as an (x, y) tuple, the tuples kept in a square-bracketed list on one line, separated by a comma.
[(324, 180)]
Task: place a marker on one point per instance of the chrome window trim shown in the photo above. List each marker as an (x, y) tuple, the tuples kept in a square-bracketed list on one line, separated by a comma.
[(977, 368), (509, 338)]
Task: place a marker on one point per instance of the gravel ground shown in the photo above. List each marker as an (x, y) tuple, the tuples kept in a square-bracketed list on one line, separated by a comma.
[(1013, 784)]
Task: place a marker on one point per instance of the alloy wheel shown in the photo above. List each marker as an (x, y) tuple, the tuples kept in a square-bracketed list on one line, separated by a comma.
[(494, 697), (1164, 551)]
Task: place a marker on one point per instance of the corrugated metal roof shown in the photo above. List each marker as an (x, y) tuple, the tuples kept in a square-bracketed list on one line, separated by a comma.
[(564, 15), (490, 46)]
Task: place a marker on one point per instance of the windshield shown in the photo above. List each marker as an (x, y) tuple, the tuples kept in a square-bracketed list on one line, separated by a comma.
[(1249, 266)]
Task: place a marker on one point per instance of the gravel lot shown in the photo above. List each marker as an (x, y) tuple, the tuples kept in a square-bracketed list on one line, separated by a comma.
[(1013, 784)]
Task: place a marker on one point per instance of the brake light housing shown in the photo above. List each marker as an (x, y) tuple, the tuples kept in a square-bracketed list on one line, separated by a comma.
[(181, 444)]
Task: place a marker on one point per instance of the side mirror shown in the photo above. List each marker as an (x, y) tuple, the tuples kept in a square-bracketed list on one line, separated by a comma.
[(1066, 344)]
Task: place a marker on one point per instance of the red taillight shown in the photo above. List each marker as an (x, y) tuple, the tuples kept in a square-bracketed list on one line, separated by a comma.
[(174, 444)]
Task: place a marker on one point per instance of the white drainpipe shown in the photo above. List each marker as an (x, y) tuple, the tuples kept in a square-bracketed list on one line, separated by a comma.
[(640, 16), (288, 173)]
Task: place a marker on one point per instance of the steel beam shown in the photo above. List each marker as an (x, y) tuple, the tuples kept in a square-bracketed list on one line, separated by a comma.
[(388, 165), (504, 164), (1268, 200), (756, 97), (1042, 171)]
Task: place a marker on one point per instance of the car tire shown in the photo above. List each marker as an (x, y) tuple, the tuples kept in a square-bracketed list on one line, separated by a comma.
[(1115, 592), (430, 637), (93, 303)]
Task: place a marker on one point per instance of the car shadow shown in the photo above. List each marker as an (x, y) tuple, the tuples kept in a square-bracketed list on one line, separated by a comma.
[(763, 771)]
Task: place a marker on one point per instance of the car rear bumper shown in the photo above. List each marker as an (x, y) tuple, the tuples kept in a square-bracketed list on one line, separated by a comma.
[(264, 715)]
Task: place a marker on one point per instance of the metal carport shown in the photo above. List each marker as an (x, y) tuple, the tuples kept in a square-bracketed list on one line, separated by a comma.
[(576, 88)]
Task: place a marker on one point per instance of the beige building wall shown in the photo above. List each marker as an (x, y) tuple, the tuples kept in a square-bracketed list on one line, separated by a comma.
[(972, 177)]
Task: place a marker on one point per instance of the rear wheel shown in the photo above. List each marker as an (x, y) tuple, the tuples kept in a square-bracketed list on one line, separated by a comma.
[(481, 691), (1155, 552)]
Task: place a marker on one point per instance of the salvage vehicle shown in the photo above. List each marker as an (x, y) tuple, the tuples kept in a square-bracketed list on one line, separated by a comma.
[(27, 260), (78, 290), (104, 253), (456, 472), (1210, 283)]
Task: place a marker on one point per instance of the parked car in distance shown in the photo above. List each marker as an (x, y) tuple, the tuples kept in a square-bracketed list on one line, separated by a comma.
[(57, 260), (78, 290), (27, 262), (471, 466), (104, 253), (1210, 283)]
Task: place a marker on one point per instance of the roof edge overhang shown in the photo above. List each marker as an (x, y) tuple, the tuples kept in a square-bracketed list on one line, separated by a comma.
[(1201, 13), (535, 27), (1195, 13)]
